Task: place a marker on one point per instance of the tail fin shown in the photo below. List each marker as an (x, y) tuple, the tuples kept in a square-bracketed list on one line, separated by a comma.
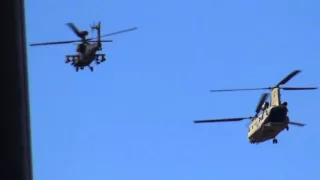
[(99, 35)]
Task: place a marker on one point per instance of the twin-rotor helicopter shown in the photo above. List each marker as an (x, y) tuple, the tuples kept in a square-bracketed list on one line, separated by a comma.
[(87, 48), (274, 117)]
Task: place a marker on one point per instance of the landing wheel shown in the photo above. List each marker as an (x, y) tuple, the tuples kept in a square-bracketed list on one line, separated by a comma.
[(97, 62), (287, 128), (81, 68), (275, 141), (67, 61), (103, 59), (91, 68), (77, 69)]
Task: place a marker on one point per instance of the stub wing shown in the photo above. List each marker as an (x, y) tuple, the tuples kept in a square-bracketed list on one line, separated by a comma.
[(72, 55)]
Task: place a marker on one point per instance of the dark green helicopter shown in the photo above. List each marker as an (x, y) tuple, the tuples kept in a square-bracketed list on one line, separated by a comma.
[(87, 49)]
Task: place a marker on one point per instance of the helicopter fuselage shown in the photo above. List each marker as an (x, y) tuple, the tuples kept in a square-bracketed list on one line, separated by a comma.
[(86, 56), (273, 119), (269, 124)]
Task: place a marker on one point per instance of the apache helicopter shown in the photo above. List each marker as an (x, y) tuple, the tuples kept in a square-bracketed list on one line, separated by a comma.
[(273, 119), (86, 51)]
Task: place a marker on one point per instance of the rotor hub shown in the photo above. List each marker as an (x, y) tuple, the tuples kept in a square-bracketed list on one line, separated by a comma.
[(83, 33)]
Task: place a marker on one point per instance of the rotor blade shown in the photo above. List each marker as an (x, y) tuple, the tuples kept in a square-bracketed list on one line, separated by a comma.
[(299, 88), (53, 43), (74, 29), (297, 124), (221, 120), (118, 32), (250, 89), (286, 79), (101, 41), (262, 100)]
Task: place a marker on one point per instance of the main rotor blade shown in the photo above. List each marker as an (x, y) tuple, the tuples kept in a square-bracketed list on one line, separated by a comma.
[(118, 32), (297, 124), (74, 29), (53, 43), (261, 101), (286, 79), (65, 42), (299, 88), (221, 120), (101, 41), (249, 89)]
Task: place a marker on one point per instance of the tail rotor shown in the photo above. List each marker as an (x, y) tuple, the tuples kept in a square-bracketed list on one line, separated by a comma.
[(95, 27), (92, 27)]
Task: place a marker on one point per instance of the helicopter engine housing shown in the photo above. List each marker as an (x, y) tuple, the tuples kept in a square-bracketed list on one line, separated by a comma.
[(81, 48)]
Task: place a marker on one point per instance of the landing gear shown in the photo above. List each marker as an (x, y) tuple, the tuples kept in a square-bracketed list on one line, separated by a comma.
[(287, 128), (275, 141), (67, 61), (81, 68), (77, 69), (91, 68), (103, 59)]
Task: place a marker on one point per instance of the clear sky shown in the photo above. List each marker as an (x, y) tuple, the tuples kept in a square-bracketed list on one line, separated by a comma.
[(132, 118)]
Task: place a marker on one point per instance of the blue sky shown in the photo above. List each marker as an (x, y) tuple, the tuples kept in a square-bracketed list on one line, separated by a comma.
[(132, 118)]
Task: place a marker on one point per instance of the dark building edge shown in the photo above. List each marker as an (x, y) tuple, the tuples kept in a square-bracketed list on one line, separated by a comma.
[(16, 154)]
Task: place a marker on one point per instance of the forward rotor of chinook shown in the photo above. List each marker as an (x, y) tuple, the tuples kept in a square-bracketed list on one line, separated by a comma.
[(257, 111)]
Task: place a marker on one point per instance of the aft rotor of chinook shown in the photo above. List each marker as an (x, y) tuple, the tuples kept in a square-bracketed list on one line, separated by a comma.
[(82, 35), (282, 82), (262, 99)]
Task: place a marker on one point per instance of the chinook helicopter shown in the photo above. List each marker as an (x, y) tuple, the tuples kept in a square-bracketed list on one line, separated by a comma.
[(273, 119), (86, 50)]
